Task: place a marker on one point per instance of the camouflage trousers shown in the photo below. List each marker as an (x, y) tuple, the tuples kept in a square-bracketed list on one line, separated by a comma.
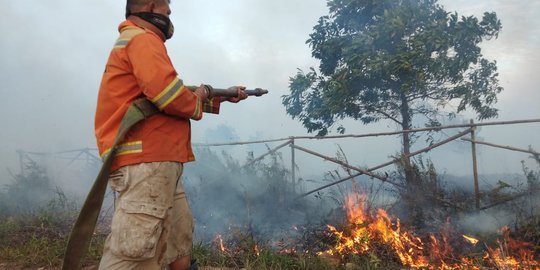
[(152, 223)]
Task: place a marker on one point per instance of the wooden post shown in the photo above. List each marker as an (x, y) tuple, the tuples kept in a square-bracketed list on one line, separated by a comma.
[(293, 166), (475, 166)]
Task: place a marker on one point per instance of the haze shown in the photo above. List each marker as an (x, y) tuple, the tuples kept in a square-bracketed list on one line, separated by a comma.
[(53, 54)]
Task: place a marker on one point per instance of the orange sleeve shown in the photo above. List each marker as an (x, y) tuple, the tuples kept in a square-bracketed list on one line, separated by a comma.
[(158, 79), (212, 105)]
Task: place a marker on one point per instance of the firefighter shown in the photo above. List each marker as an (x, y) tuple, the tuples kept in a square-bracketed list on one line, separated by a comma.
[(152, 224)]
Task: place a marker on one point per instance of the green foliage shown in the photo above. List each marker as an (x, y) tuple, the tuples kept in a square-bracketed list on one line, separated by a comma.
[(526, 207), (370, 261), (27, 192), (533, 177), (388, 59)]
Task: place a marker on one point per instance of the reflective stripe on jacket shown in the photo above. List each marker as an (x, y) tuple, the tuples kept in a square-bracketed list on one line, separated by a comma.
[(140, 66)]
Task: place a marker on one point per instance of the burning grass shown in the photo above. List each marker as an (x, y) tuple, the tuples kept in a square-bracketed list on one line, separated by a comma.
[(370, 234), (368, 241)]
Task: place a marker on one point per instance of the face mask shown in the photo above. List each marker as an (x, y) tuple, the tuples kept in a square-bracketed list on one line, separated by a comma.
[(162, 22)]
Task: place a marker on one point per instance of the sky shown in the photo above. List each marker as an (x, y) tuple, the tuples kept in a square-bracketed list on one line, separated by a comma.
[(52, 55)]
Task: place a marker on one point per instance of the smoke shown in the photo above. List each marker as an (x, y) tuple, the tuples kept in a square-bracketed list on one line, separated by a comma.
[(53, 54), (259, 199), (486, 222), (52, 58), (227, 197)]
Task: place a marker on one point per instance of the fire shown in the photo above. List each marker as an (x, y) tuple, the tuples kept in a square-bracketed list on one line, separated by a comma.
[(367, 231), (470, 239), (219, 240), (502, 258)]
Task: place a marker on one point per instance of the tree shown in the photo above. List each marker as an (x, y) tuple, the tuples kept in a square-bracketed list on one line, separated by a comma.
[(395, 59)]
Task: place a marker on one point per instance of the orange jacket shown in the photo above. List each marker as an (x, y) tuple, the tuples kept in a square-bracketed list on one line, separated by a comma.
[(139, 66)]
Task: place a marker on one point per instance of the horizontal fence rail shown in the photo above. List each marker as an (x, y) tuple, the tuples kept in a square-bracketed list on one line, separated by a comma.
[(471, 129), (292, 143), (391, 133)]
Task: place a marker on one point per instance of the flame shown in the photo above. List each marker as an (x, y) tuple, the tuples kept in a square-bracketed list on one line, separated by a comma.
[(511, 253), (256, 249), (219, 240), (366, 231), (470, 239)]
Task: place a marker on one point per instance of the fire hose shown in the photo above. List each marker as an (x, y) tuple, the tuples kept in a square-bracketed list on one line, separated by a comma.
[(83, 229), (219, 92)]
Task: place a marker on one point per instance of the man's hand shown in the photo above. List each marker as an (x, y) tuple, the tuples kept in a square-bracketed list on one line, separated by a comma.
[(241, 94), (201, 92)]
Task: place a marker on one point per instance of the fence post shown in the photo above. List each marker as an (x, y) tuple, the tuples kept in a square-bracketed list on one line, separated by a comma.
[(475, 166), (293, 166)]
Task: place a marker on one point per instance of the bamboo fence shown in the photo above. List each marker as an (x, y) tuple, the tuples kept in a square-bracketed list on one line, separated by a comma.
[(471, 129)]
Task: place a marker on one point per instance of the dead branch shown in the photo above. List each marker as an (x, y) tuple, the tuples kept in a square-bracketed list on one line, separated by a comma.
[(344, 164), (514, 197), (268, 153), (502, 146), (457, 136)]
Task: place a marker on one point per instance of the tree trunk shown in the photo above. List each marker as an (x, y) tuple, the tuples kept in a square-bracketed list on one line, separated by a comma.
[(413, 195)]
